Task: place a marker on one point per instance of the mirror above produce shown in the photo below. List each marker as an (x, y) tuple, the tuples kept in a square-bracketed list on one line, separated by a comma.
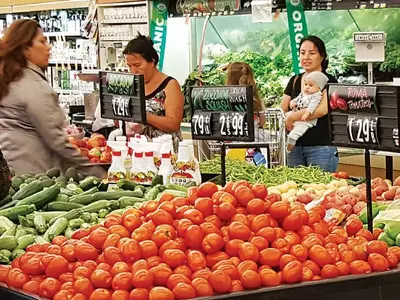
[(266, 47)]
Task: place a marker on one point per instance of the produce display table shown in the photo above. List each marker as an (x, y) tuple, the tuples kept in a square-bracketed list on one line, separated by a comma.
[(382, 286)]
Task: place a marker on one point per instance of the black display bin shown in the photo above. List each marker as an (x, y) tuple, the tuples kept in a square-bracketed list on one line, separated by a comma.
[(375, 286)]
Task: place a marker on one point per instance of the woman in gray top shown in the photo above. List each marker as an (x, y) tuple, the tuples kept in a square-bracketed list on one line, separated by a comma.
[(32, 137)]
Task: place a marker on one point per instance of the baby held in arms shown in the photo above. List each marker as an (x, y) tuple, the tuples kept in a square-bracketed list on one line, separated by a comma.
[(309, 99)]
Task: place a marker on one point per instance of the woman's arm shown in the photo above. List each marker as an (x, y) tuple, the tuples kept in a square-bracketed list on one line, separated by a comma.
[(173, 110), (285, 102)]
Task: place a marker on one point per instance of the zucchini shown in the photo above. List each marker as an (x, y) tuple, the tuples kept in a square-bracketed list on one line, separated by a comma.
[(69, 232), (98, 205), (49, 215), (37, 176), (177, 188), (17, 253), (32, 188), (61, 179), (26, 176), (94, 218), (41, 198), (140, 188), (152, 193), (5, 200), (48, 183), (13, 212), (62, 198), (6, 253), (25, 221), (16, 182), (54, 172), (40, 223), (4, 260), (44, 177), (67, 192), (128, 201), (72, 214), (30, 230), (158, 179), (29, 180), (40, 240), (86, 225), (126, 184), (10, 231), (8, 242), (82, 199), (56, 229), (25, 241), (119, 211), (86, 217), (76, 223), (22, 186), (20, 232), (91, 191), (89, 182), (11, 192), (9, 204), (116, 195), (61, 184), (103, 213), (103, 186), (62, 206), (172, 192)]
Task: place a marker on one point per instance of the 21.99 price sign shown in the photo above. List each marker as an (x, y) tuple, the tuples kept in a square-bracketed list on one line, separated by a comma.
[(233, 124), (363, 129)]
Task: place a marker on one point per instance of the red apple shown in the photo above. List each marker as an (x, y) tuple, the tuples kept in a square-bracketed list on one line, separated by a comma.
[(105, 157), (84, 152), (81, 143), (94, 153), (95, 160), (97, 141)]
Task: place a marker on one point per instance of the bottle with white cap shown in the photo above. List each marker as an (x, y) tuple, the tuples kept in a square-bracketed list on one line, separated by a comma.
[(166, 168), (137, 173), (183, 169), (194, 160), (149, 166), (116, 171)]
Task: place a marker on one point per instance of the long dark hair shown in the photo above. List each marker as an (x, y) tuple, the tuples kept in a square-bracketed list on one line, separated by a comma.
[(17, 38), (321, 49), (144, 46)]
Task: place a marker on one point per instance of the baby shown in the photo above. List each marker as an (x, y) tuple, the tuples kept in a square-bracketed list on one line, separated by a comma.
[(314, 83)]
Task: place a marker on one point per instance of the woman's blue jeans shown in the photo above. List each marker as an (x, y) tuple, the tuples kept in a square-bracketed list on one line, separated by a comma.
[(324, 156)]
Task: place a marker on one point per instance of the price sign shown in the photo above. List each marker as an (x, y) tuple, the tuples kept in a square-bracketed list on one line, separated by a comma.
[(122, 97), (120, 106), (201, 123), (363, 129), (233, 124), (395, 134)]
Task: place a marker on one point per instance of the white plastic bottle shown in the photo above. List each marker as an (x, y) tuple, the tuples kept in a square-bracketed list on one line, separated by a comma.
[(116, 171), (156, 146), (194, 159), (150, 167), (183, 169), (137, 173), (166, 168)]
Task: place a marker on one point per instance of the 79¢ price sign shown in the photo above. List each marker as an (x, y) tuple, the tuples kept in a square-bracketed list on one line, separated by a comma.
[(201, 123), (233, 124), (363, 129), (120, 105)]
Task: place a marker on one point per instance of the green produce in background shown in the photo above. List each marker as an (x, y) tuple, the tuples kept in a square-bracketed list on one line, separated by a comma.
[(384, 237)]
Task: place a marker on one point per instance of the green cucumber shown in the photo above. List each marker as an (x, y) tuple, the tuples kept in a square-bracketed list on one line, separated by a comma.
[(62, 198), (89, 182), (32, 188), (81, 199), (115, 195), (152, 193), (54, 172), (91, 191), (48, 183), (41, 198), (69, 215), (129, 201), (100, 204), (62, 206), (16, 182), (13, 212), (126, 184)]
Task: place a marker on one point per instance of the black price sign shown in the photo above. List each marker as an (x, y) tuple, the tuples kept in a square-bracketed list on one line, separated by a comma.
[(222, 113), (395, 134), (201, 123), (233, 124), (363, 129), (122, 97), (121, 106)]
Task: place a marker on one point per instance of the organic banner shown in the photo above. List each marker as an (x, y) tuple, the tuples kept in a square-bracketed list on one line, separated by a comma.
[(158, 27), (297, 29)]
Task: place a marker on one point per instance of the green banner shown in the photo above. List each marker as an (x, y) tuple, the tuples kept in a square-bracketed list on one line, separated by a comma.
[(158, 27), (297, 29)]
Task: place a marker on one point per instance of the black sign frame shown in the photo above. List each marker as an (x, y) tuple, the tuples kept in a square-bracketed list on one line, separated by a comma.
[(382, 107), (126, 100), (236, 101)]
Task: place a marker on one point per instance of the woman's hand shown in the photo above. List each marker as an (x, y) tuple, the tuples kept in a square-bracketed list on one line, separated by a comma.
[(289, 121)]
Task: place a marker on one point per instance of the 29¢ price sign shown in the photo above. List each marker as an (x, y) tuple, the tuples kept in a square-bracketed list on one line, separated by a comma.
[(363, 129), (233, 124), (121, 106), (201, 123)]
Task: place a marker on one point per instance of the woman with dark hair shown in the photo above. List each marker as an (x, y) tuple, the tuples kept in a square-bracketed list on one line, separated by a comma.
[(164, 98), (32, 137), (5, 177), (315, 146)]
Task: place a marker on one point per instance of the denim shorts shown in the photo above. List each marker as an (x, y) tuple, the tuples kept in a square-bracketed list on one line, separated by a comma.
[(324, 156)]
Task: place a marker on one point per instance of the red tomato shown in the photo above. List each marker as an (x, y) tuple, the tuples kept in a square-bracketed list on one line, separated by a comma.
[(259, 191), (270, 257), (292, 272), (246, 265), (154, 261), (194, 237), (174, 279), (225, 211), (293, 221), (100, 294), (250, 279), (32, 267), (174, 257), (202, 287), (119, 267), (230, 270), (202, 273), (57, 266), (280, 209), (248, 251), (143, 279), (343, 268), (112, 255), (161, 293), (377, 247), (359, 267), (204, 205), (122, 281), (392, 260), (169, 207), (330, 271), (285, 259), (49, 287), (243, 195), (260, 242), (63, 295), (256, 206), (82, 272), (139, 294), (320, 255), (160, 217), (268, 233), (212, 243), (213, 258), (83, 286), (232, 247), (98, 237), (207, 189), (269, 278), (161, 274), (31, 286), (220, 281), (130, 251), (120, 295), (148, 249), (378, 262), (237, 230), (101, 279)]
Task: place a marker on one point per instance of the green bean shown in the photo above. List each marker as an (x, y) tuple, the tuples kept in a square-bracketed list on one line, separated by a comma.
[(238, 170)]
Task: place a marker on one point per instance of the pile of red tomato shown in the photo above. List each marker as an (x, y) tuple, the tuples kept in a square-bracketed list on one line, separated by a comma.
[(211, 242)]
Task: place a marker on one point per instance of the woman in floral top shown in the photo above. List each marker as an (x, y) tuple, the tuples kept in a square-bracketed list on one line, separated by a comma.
[(164, 98)]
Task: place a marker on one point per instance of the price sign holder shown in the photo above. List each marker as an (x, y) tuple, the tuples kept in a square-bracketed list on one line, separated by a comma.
[(122, 97), (365, 117), (225, 146), (222, 113)]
